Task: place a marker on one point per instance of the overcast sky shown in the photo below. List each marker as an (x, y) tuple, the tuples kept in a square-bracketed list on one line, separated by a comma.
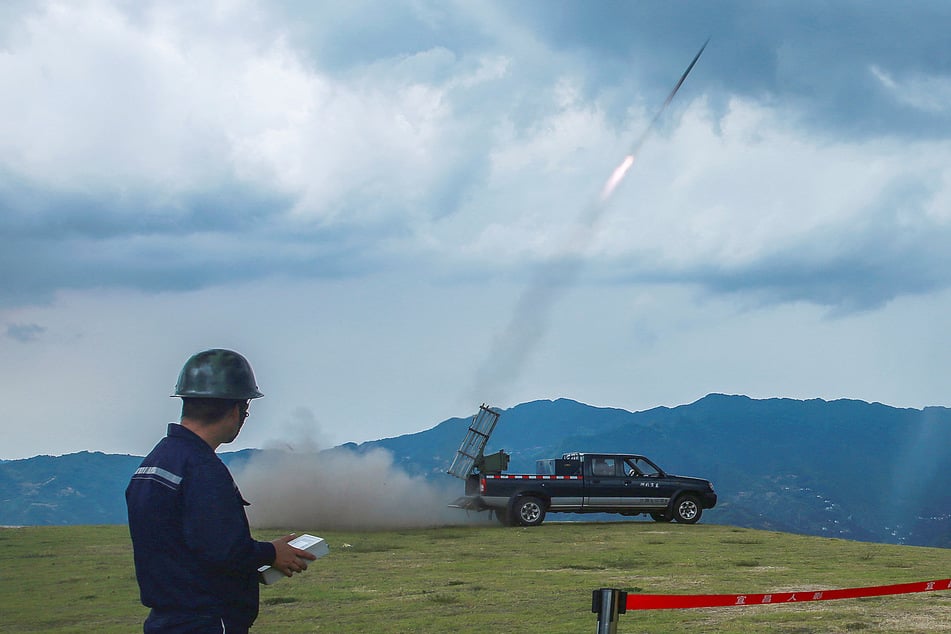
[(387, 207)]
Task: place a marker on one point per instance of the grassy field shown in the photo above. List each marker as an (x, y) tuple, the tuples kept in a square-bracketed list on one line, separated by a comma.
[(491, 579)]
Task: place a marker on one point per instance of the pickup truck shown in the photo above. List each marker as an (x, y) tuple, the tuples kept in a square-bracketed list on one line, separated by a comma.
[(628, 484)]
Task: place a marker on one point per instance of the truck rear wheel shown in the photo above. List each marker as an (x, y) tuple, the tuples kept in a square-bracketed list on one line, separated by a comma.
[(529, 511), (687, 509)]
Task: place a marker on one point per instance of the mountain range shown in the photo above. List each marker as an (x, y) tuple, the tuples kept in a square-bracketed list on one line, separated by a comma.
[(843, 468)]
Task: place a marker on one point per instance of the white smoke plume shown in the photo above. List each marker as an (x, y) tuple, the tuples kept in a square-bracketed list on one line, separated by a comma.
[(344, 489)]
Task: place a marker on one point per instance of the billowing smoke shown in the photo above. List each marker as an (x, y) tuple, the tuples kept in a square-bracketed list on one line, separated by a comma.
[(344, 489)]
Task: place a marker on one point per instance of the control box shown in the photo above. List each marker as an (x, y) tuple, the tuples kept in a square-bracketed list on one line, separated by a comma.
[(314, 545)]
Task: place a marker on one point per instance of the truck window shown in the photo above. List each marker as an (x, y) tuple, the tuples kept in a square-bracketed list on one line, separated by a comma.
[(603, 466)]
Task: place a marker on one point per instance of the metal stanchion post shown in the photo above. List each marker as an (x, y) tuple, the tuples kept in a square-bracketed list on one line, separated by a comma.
[(608, 603)]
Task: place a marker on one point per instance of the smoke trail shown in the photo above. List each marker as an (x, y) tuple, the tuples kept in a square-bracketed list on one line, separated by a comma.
[(511, 349), (513, 346)]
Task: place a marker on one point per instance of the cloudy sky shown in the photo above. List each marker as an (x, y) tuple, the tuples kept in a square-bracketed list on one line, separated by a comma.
[(392, 209)]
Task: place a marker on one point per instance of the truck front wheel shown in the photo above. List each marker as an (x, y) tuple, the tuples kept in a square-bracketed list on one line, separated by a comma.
[(529, 511), (687, 510)]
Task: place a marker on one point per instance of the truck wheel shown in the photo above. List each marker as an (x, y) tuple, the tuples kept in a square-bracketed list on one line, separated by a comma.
[(529, 511), (687, 510), (661, 516)]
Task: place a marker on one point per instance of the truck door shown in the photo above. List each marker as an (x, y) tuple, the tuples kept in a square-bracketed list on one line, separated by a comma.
[(603, 481), (646, 486)]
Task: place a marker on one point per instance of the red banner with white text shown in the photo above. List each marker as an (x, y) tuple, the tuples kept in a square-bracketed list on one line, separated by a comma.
[(679, 602)]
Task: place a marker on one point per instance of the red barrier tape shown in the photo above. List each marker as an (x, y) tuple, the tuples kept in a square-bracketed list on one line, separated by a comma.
[(677, 601)]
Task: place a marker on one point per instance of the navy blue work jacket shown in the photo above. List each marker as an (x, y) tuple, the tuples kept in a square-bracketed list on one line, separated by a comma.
[(193, 549)]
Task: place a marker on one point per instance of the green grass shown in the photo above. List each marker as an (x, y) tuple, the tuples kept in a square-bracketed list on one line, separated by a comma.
[(492, 579)]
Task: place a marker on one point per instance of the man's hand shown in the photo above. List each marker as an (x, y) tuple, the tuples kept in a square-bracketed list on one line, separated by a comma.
[(288, 559)]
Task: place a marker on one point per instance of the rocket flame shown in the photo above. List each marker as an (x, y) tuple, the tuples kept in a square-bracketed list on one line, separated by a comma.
[(625, 165), (616, 177)]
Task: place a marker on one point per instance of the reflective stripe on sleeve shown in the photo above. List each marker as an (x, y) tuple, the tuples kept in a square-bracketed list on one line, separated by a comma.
[(158, 474)]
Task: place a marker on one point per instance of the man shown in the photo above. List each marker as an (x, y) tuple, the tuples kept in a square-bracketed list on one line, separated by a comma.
[(195, 559)]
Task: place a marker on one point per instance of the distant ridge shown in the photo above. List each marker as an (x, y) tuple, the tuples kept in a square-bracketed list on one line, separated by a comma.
[(842, 468)]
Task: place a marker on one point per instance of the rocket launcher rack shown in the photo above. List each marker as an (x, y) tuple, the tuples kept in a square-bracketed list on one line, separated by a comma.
[(470, 453)]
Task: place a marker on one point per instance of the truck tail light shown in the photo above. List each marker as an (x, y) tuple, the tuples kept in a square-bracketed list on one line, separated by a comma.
[(482, 485)]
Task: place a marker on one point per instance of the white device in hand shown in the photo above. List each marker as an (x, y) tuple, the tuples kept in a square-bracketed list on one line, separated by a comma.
[(313, 545)]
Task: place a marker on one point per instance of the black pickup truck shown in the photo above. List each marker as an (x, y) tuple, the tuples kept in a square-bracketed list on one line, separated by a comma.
[(628, 484)]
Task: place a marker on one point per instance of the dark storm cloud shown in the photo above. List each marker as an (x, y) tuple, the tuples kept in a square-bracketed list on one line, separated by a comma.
[(864, 277), (32, 210), (845, 271), (53, 241), (37, 267), (813, 56)]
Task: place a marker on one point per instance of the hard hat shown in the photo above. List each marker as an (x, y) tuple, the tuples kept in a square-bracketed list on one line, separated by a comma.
[(217, 374)]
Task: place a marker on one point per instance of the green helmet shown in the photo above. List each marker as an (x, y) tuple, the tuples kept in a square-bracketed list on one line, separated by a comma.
[(217, 374)]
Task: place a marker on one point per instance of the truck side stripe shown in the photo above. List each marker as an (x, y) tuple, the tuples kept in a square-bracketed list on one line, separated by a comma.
[(531, 477)]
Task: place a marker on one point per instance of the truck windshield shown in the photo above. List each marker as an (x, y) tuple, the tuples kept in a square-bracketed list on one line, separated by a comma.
[(640, 467)]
